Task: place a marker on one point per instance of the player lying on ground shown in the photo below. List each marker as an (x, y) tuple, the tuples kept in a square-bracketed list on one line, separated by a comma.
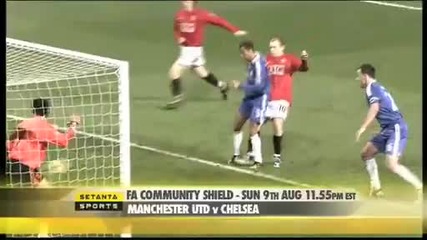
[(27, 146), (189, 27), (254, 103), (281, 68), (393, 136)]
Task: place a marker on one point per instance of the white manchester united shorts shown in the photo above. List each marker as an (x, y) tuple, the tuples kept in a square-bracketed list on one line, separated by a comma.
[(191, 57), (277, 109)]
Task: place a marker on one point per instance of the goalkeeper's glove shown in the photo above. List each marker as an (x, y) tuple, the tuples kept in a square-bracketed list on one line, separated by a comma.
[(75, 121), (72, 124)]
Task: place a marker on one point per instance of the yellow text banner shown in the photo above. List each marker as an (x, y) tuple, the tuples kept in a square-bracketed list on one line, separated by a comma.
[(272, 226)]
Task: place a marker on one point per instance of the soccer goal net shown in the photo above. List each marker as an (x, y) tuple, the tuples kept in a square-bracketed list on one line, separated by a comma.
[(93, 87)]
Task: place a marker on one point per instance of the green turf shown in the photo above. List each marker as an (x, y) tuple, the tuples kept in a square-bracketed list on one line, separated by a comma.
[(328, 109)]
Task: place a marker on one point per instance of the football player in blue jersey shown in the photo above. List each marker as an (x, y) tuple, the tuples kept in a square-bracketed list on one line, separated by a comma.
[(392, 138), (254, 104)]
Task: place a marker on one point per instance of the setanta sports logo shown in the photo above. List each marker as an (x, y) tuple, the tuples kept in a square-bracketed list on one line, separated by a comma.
[(99, 201)]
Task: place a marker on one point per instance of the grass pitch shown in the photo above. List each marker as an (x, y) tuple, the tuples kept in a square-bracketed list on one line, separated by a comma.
[(328, 108)]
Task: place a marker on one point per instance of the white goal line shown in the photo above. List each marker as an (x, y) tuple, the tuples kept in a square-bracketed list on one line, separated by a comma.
[(396, 5)]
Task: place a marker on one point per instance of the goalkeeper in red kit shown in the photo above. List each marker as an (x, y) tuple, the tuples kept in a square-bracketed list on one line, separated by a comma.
[(27, 146), (189, 28)]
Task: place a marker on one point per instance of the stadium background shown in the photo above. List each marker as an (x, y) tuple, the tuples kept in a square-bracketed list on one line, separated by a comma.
[(328, 109)]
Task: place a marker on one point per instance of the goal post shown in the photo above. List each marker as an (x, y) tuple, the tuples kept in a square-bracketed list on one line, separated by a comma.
[(93, 87), (97, 88)]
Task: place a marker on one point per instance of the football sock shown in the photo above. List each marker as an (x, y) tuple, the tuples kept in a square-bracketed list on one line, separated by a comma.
[(408, 176), (250, 143), (211, 79), (237, 142), (256, 147), (372, 168), (176, 87), (277, 143)]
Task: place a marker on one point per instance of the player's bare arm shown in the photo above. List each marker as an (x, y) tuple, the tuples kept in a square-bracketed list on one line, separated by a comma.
[(370, 117)]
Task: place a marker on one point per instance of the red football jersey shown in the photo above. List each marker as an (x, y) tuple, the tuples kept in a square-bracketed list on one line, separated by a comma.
[(281, 69), (31, 143), (190, 25)]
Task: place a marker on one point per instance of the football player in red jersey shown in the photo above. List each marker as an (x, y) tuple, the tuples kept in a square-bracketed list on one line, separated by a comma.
[(281, 68), (189, 28)]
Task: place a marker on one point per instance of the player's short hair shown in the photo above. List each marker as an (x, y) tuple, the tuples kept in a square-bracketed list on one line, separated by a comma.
[(279, 39), (41, 107), (367, 69), (247, 45)]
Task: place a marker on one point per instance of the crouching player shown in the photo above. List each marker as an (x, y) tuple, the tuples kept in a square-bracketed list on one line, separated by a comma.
[(27, 146), (254, 104), (393, 136)]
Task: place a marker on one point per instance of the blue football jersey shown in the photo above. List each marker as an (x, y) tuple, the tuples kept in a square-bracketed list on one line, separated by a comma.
[(258, 82), (388, 113)]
